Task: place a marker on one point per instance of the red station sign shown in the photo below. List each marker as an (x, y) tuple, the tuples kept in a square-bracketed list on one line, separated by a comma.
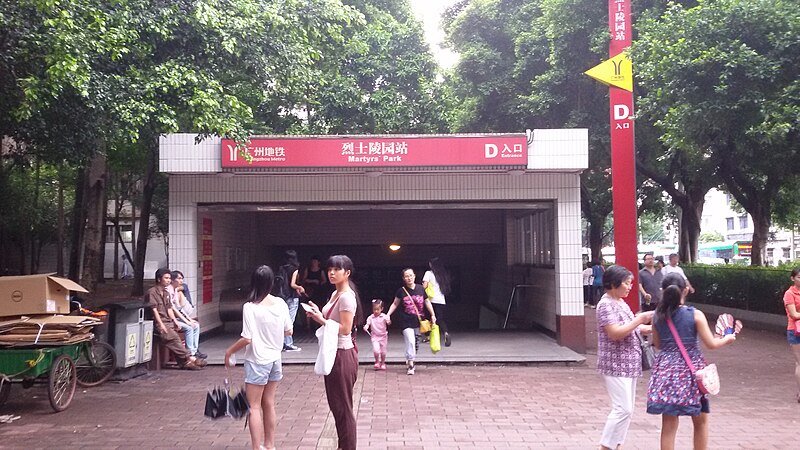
[(379, 151)]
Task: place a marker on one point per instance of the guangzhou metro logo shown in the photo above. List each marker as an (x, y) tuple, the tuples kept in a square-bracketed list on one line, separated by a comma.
[(258, 153), (618, 68)]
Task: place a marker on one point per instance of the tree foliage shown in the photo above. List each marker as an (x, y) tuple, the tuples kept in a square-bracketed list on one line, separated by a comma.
[(93, 84), (521, 66), (724, 76), (380, 78)]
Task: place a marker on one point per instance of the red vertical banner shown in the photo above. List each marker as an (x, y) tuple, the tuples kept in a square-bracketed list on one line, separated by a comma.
[(623, 163), (207, 260)]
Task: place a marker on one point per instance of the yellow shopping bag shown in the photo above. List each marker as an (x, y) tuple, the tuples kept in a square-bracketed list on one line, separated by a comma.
[(436, 343)]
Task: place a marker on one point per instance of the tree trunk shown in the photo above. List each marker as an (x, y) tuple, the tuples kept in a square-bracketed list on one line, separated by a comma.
[(116, 239), (756, 200), (36, 183), (60, 244), (596, 239), (691, 215), (595, 215), (151, 147), (761, 223), (101, 266), (23, 247), (78, 223), (690, 200), (95, 221)]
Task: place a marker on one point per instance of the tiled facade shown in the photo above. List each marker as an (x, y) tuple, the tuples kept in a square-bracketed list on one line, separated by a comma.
[(556, 158)]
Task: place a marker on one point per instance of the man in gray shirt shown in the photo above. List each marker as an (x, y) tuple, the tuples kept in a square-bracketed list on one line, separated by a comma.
[(650, 283)]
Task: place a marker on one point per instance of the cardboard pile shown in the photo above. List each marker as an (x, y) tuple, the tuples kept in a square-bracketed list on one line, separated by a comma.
[(36, 294), (46, 331), (28, 304)]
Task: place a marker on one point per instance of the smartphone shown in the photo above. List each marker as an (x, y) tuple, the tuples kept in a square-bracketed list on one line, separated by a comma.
[(307, 307)]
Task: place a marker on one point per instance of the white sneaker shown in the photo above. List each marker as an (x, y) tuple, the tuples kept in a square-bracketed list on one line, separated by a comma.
[(410, 370)]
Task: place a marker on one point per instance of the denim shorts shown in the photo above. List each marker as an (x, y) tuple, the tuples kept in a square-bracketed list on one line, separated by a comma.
[(792, 338), (261, 374)]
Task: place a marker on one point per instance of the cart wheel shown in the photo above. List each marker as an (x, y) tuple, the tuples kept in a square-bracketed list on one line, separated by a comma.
[(95, 366), (5, 389), (61, 382)]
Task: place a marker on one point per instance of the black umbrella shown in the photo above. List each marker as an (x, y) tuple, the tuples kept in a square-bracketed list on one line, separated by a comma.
[(224, 401)]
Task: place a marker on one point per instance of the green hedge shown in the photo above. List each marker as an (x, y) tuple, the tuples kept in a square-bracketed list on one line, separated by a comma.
[(744, 287)]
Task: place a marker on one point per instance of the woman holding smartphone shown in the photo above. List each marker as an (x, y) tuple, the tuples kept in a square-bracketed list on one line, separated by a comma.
[(343, 308), (265, 322)]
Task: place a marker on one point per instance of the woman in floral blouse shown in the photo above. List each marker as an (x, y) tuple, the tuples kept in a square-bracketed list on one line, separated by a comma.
[(619, 355)]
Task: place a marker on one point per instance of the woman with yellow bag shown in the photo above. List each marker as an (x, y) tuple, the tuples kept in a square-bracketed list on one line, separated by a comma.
[(437, 285), (410, 314)]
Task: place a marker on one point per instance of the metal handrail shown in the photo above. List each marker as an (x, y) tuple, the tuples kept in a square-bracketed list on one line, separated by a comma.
[(511, 300)]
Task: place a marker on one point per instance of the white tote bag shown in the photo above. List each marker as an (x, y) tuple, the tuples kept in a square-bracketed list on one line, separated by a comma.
[(328, 337)]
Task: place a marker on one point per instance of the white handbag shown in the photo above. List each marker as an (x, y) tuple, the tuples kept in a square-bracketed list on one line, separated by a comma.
[(328, 337)]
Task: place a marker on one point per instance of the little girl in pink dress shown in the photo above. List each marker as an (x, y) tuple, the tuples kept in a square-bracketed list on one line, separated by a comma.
[(378, 328)]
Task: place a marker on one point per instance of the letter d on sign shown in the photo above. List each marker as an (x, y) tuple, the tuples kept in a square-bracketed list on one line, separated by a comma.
[(621, 112), (490, 150)]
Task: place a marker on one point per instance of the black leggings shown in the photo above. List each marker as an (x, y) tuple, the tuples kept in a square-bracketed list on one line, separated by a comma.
[(441, 314)]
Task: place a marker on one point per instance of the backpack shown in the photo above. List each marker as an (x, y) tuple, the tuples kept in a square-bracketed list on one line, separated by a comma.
[(282, 288), (597, 273)]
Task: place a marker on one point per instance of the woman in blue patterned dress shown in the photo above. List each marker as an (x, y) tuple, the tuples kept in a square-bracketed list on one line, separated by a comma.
[(673, 391)]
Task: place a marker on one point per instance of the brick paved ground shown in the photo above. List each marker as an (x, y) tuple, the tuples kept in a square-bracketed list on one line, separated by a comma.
[(447, 407)]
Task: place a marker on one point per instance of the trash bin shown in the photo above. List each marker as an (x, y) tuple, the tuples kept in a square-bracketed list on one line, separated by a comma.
[(133, 335)]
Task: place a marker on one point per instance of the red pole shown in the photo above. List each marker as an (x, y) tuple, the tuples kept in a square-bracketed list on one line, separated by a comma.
[(623, 166)]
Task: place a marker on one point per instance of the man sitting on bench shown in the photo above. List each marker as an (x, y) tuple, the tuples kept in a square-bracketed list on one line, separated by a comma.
[(158, 299)]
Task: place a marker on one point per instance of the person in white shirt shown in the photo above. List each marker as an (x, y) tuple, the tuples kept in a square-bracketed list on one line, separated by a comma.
[(587, 284), (265, 322), (184, 313), (672, 267), (439, 278)]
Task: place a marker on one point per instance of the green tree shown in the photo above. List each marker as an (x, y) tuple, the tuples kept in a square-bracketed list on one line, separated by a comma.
[(521, 66), (131, 70), (379, 78), (786, 209), (725, 76), (712, 236), (684, 176)]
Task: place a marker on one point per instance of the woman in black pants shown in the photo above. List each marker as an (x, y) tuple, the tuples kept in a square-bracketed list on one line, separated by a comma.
[(343, 308)]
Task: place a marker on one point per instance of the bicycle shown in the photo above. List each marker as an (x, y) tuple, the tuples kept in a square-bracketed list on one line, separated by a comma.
[(96, 364)]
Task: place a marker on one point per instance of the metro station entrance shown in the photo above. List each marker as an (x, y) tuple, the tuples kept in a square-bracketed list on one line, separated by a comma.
[(469, 238), (501, 211)]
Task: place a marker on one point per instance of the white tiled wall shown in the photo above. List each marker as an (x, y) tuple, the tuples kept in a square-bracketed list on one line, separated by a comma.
[(179, 153), (559, 149)]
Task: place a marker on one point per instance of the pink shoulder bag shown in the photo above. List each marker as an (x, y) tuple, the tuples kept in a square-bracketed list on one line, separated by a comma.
[(707, 377)]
